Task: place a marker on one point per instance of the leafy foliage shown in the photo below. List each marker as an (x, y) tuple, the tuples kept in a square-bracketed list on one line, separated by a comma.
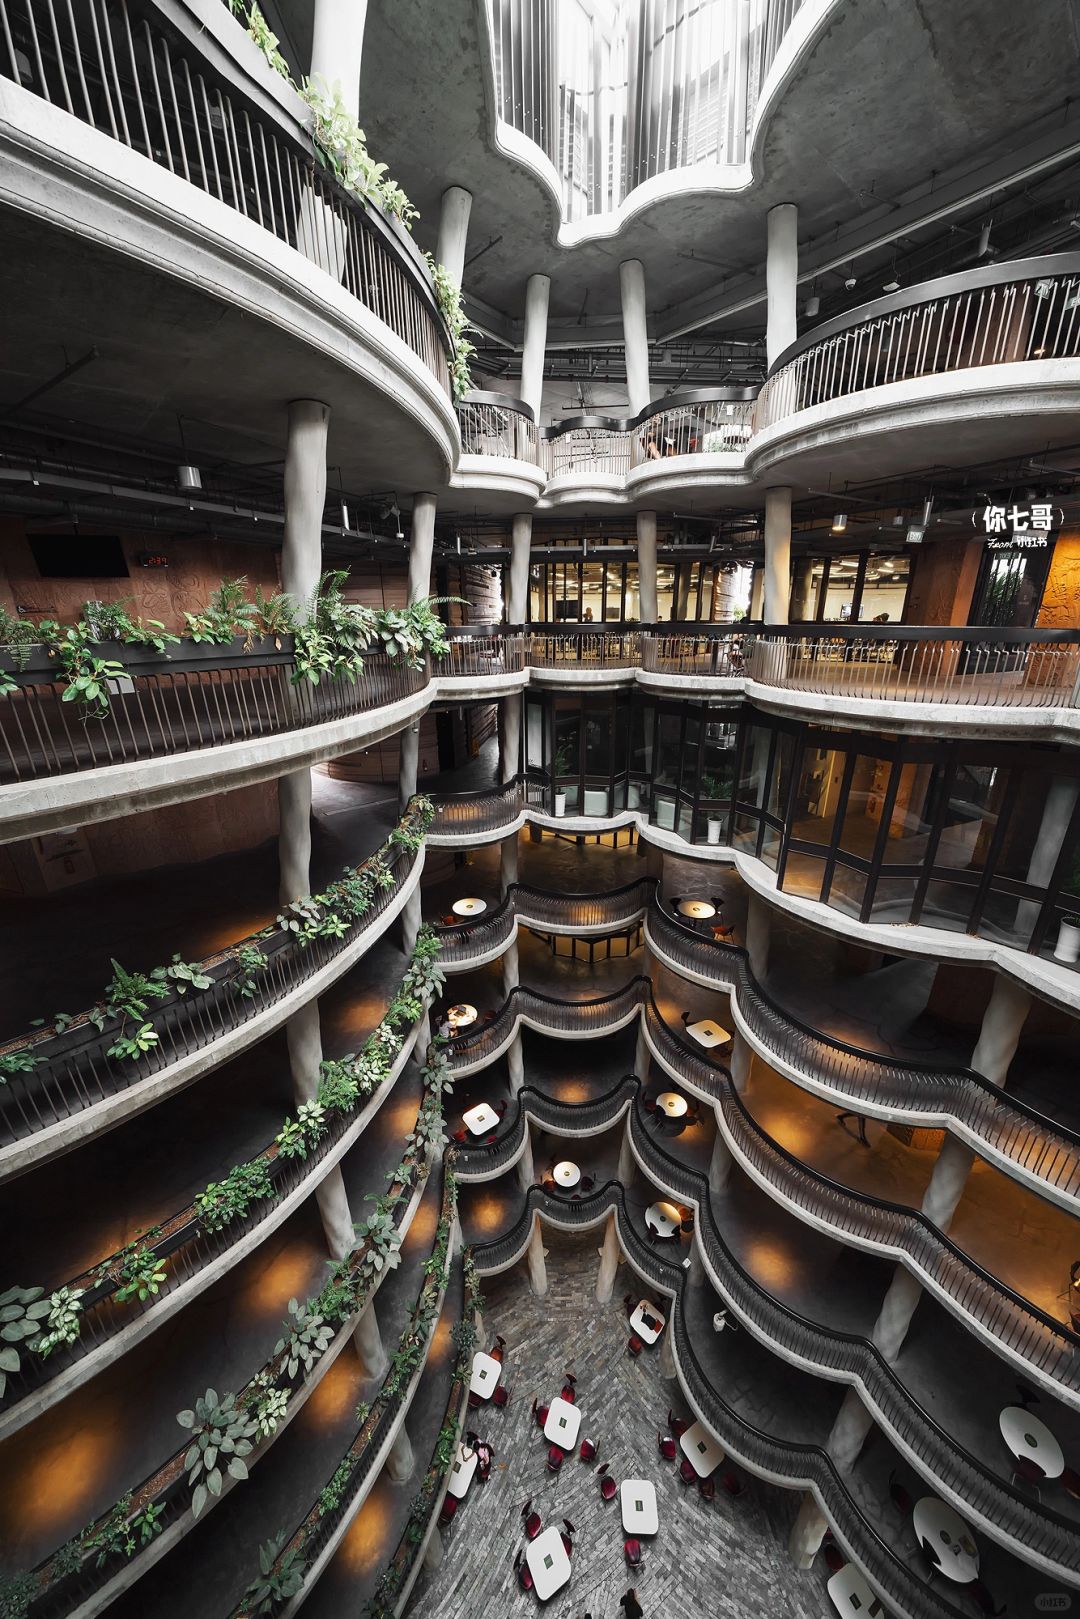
[(448, 298), (343, 146), (221, 1431), (280, 1577), (307, 1339)]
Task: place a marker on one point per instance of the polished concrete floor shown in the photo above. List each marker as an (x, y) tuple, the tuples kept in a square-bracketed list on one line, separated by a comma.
[(725, 1559)]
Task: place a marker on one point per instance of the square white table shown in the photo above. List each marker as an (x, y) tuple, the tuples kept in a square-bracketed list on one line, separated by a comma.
[(708, 1033), (486, 1371), (639, 1325), (702, 1449), (462, 1471), (850, 1594), (563, 1422), (481, 1119), (637, 1497), (548, 1563)]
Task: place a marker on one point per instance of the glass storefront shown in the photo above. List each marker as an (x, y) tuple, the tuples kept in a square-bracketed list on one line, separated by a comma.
[(865, 587)]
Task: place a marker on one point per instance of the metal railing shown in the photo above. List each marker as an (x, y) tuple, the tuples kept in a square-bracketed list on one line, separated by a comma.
[(462, 814), (921, 1093), (583, 648), (75, 1071), (112, 66), (170, 705), (1038, 1529), (1026, 310), (719, 652), (500, 430), (483, 1160), (997, 668), (587, 450), (479, 652), (708, 428), (549, 1015), (550, 913)]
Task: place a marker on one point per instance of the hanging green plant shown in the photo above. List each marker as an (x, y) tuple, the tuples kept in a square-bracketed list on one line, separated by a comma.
[(342, 145), (448, 298)]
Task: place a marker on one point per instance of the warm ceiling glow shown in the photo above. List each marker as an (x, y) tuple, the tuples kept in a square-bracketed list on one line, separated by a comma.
[(773, 1266), (372, 1536), (486, 1214), (287, 1276), (61, 1480), (335, 1396)]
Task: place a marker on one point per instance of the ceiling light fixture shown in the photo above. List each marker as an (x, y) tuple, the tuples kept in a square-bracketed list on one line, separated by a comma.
[(839, 522), (812, 306)]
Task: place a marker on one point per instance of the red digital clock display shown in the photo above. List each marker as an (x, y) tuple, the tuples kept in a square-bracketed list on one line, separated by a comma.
[(154, 559)]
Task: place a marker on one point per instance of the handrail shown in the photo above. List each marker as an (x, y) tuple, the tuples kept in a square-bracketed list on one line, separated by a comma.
[(597, 1015), (685, 398), (159, 92), (75, 1070), (497, 429), (1018, 1135), (466, 940), (479, 1160), (1040, 1529)]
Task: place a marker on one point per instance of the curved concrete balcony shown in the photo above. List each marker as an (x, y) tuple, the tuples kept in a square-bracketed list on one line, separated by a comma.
[(1019, 1140), (565, 1020), (500, 455), (791, 1464), (485, 1160), (465, 945), (158, 137), (90, 1587), (77, 1087), (192, 1256), (1045, 1537)]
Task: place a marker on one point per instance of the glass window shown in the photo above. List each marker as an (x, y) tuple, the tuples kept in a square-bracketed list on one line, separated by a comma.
[(613, 591), (592, 592), (885, 590), (631, 600), (821, 773), (665, 591), (843, 572), (862, 813)]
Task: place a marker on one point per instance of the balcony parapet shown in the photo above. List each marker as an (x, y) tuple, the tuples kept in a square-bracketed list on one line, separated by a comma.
[(470, 944), (483, 1161)]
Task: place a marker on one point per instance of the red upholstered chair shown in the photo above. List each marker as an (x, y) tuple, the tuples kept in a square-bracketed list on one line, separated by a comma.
[(834, 1557), (460, 1136), (900, 1497), (686, 1471), (447, 1510), (666, 1446), (588, 1450), (541, 1414), (632, 1552), (533, 1525), (498, 1348), (524, 1573), (587, 1183), (635, 1346), (474, 1402), (732, 1483), (554, 1458), (502, 1394), (677, 1425), (707, 1487), (608, 1487)]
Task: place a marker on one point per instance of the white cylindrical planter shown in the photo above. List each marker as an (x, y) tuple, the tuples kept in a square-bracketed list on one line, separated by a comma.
[(560, 803), (1067, 947), (714, 828)]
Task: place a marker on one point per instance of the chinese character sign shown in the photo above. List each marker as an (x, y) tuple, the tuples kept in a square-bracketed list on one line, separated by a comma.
[(1023, 526)]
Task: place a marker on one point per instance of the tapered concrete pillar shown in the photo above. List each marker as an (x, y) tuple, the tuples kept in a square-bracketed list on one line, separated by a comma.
[(294, 836), (409, 764), (1002, 1025), (526, 1164), (609, 1262), (781, 279), (511, 976), (337, 46), (509, 737), (367, 1341), (1053, 827), (807, 1532), (515, 1064), (667, 1354), (642, 1052), (741, 1061), (508, 864), (624, 1173), (411, 920), (454, 214), (305, 498), (333, 1204), (758, 933), (635, 333), (400, 1461), (421, 543), (303, 1038), (433, 1552), (697, 1275), (517, 603), (537, 293), (535, 1258), (757, 593), (777, 556), (720, 1164), (646, 559)]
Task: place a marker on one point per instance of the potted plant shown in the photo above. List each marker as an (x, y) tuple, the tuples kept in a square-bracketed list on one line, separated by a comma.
[(561, 768), (712, 789), (1067, 947)]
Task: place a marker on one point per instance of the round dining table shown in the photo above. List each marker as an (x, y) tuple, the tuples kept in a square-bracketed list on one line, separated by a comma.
[(948, 1541), (696, 910), (672, 1104), (469, 907), (1031, 1440), (566, 1174)]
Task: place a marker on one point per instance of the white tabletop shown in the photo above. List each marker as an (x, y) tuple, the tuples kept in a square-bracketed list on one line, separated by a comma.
[(563, 1422), (639, 1325), (566, 1173), (459, 1017), (699, 1445), (1030, 1439), (548, 1563), (462, 1471), (708, 1033), (699, 909), (850, 1594), (637, 1497), (486, 1371), (469, 907), (674, 1105), (663, 1218), (953, 1543), (480, 1119)]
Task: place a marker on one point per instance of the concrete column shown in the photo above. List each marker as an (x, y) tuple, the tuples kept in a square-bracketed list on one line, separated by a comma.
[(305, 497), (509, 737), (336, 1215), (517, 606), (781, 279), (758, 931), (777, 556), (411, 919), (453, 229), (400, 1461), (1057, 812), (635, 333), (646, 561), (696, 1275), (535, 1257), (642, 1052), (537, 291), (807, 1532), (741, 1061), (624, 1173), (337, 46), (409, 764), (508, 864), (667, 1355), (999, 1035), (720, 1164), (421, 542), (367, 1341), (433, 1553), (294, 836), (757, 592), (303, 1037), (526, 1164), (609, 1262), (511, 976), (515, 1064)]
